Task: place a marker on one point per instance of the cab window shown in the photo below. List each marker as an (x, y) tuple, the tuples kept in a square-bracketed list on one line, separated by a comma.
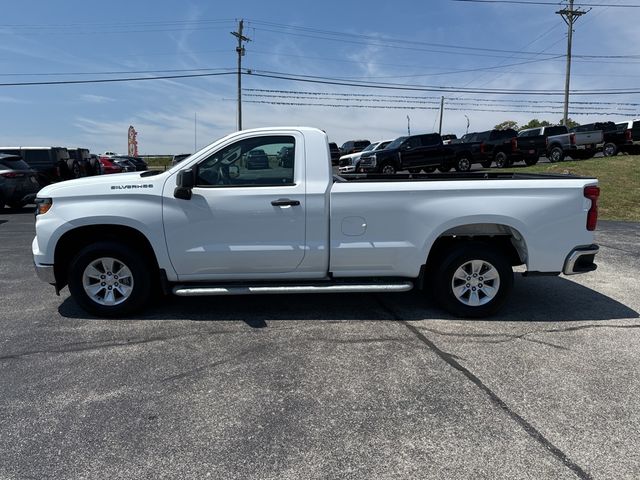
[(257, 161)]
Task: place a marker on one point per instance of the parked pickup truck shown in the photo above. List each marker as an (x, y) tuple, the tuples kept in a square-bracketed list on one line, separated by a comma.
[(504, 147), (416, 153), (560, 142), (613, 140), (351, 162), (209, 226), (631, 130)]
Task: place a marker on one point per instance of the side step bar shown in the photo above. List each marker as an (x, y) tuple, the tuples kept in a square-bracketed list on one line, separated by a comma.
[(206, 290)]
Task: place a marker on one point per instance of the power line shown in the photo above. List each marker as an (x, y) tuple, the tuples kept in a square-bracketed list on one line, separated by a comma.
[(393, 107), (431, 88), (113, 80), (523, 2)]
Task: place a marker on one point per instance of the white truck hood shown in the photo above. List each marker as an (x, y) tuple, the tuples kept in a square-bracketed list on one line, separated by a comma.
[(102, 184)]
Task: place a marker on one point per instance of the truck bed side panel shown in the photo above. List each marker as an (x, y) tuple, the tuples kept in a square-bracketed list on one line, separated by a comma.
[(387, 229)]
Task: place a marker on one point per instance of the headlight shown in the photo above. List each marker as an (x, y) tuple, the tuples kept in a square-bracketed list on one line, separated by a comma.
[(43, 205)]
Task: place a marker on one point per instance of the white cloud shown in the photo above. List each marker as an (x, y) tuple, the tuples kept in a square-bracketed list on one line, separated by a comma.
[(90, 98)]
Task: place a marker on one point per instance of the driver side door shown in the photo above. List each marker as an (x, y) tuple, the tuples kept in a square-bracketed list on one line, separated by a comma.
[(244, 219)]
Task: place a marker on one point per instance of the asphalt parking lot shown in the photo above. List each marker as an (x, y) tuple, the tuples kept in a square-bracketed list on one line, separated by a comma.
[(328, 386)]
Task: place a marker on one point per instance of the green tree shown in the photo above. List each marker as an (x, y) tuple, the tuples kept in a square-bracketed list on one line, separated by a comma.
[(535, 123), (570, 123), (506, 125)]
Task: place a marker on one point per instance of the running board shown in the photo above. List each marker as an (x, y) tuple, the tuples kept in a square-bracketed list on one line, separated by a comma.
[(206, 290)]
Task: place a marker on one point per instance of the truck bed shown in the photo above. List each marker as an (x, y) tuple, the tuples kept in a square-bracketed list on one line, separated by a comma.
[(403, 177)]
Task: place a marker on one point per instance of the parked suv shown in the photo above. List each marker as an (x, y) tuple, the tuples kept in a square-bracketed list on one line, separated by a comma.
[(18, 183), (52, 163), (353, 146), (349, 163)]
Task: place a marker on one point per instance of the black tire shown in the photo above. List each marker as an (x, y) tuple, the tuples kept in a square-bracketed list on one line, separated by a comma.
[(463, 164), (1, 203), (609, 149), (556, 154), (444, 168), (415, 170), (529, 161), (75, 171), (16, 205), (429, 169), (502, 160), (140, 275), (486, 164), (388, 168), (459, 259)]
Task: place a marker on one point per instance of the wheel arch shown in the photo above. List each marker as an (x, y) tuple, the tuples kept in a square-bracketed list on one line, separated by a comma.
[(505, 237), (74, 240)]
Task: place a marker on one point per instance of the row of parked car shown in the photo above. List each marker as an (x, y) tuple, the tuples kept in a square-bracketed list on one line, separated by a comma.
[(428, 152), (25, 170)]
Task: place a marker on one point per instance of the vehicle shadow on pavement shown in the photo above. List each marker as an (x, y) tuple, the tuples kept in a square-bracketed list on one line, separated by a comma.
[(548, 299)]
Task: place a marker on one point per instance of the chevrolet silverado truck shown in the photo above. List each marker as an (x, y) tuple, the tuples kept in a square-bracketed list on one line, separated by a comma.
[(211, 226)]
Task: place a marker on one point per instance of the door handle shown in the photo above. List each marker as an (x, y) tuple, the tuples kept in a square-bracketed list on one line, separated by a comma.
[(285, 202)]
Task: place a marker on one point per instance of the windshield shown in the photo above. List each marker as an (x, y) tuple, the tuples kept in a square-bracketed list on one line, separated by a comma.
[(371, 146), (397, 142)]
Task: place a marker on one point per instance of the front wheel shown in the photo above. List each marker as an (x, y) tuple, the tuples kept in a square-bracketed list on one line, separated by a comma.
[(486, 164), (530, 161), (429, 169), (109, 279), (444, 168), (473, 280)]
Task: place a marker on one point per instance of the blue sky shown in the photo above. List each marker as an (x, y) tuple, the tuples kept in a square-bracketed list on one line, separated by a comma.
[(437, 43)]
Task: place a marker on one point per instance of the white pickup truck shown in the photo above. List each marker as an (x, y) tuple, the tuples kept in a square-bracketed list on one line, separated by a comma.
[(219, 223)]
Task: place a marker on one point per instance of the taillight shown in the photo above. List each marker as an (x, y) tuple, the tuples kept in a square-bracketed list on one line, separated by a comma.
[(592, 193), (514, 144), (572, 138), (628, 135), (12, 175), (482, 147)]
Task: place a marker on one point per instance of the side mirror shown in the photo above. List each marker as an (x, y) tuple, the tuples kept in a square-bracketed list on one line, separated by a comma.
[(184, 183), (406, 147)]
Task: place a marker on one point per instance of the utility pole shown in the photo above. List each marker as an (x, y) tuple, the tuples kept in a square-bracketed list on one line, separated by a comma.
[(441, 112), (240, 49), (569, 15), (467, 124), (408, 126), (195, 131)]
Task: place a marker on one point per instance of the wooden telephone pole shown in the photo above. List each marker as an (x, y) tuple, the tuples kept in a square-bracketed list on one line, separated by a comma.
[(240, 49), (569, 15)]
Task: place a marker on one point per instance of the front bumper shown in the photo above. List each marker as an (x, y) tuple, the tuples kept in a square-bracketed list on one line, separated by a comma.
[(347, 169), (45, 273), (581, 260)]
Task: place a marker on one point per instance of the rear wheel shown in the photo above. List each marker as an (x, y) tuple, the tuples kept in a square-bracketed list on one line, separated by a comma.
[(429, 169), (109, 279), (529, 161), (556, 154), (473, 280), (486, 164), (610, 149), (463, 164), (444, 168), (502, 160)]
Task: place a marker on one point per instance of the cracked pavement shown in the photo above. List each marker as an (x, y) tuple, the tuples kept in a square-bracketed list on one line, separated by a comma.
[(328, 386)]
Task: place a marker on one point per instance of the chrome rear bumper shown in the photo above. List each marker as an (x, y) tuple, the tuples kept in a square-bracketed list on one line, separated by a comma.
[(581, 260)]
